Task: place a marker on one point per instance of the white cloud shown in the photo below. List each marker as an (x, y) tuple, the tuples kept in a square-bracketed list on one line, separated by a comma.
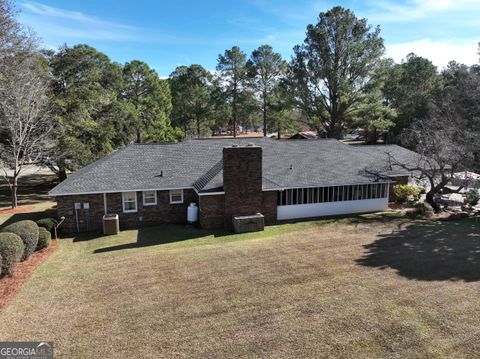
[(44, 10), (73, 24), (440, 53), (65, 25), (389, 11)]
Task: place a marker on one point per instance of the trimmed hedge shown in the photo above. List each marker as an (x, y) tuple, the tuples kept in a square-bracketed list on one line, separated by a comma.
[(28, 232), (47, 223), (44, 238), (11, 250)]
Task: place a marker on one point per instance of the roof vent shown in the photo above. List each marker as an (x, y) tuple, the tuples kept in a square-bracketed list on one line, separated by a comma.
[(291, 166), (234, 145), (250, 144), (161, 173)]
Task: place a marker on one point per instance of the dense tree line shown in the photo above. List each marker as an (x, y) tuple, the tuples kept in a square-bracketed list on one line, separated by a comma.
[(69, 107)]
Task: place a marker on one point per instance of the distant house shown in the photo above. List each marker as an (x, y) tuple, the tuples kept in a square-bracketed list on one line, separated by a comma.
[(304, 135), (154, 183), (466, 179)]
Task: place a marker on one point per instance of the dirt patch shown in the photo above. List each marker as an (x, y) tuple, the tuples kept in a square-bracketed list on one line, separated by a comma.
[(10, 285), (20, 209)]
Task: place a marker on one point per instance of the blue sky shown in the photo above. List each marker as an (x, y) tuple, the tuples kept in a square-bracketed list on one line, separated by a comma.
[(166, 34)]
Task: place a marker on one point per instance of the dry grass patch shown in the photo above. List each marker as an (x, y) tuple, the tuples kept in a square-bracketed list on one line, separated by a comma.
[(317, 289)]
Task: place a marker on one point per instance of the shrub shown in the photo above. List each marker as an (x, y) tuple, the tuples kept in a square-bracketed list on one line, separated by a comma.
[(28, 232), (44, 238), (11, 250), (472, 197), (47, 223), (405, 192)]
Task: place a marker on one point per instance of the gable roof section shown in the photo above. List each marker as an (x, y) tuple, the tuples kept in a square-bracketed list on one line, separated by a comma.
[(198, 164)]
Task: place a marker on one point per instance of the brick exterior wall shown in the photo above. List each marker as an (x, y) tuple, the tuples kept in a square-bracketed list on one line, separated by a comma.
[(242, 181), (269, 207), (212, 211), (91, 219), (88, 220)]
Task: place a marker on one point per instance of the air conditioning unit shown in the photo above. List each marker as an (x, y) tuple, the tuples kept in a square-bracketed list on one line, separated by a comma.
[(111, 224)]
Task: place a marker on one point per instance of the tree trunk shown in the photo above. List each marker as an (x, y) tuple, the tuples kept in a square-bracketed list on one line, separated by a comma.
[(278, 133), (431, 201), (14, 193), (62, 173), (139, 136), (264, 114), (198, 128)]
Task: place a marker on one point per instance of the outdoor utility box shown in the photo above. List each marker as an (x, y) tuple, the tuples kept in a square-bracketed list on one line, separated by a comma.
[(251, 223), (111, 224)]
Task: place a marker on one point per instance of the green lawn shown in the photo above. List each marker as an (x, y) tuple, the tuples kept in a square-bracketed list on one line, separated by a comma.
[(370, 287)]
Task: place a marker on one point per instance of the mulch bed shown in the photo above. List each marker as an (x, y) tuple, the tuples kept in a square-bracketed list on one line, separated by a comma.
[(19, 209), (10, 285)]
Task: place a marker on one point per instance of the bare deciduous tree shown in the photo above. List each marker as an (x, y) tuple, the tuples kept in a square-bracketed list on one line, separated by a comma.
[(444, 143), (24, 119)]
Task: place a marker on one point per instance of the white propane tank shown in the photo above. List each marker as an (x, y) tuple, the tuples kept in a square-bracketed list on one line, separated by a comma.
[(192, 213)]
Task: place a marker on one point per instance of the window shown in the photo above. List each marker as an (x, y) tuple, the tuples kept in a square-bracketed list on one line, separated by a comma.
[(176, 196), (129, 200), (149, 198)]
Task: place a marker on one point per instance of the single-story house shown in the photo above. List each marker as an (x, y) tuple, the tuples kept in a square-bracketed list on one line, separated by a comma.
[(154, 183)]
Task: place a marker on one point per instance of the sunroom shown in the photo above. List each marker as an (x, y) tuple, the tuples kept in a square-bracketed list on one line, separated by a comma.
[(308, 202)]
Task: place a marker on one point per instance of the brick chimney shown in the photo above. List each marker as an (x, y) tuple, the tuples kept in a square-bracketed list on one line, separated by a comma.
[(242, 181)]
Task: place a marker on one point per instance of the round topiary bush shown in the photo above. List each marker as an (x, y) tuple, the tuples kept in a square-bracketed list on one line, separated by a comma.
[(28, 232), (44, 238), (11, 250), (47, 223)]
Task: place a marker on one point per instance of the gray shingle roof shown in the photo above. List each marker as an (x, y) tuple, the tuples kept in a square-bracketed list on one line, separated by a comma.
[(198, 164)]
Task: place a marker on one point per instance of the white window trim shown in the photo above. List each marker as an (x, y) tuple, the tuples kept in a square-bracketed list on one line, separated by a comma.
[(170, 194), (149, 204), (123, 203)]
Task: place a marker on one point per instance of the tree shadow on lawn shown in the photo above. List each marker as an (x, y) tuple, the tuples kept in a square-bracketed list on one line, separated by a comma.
[(158, 235), (429, 251), (32, 189), (33, 216)]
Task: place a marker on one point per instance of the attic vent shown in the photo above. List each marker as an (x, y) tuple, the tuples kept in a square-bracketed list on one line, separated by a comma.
[(291, 167), (234, 145), (250, 144)]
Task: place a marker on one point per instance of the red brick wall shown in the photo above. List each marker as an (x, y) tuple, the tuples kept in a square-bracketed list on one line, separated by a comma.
[(212, 211), (88, 220), (162, 212), (269, 207)]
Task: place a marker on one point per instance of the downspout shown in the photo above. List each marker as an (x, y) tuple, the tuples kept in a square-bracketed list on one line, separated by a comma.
[(105, 203)]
